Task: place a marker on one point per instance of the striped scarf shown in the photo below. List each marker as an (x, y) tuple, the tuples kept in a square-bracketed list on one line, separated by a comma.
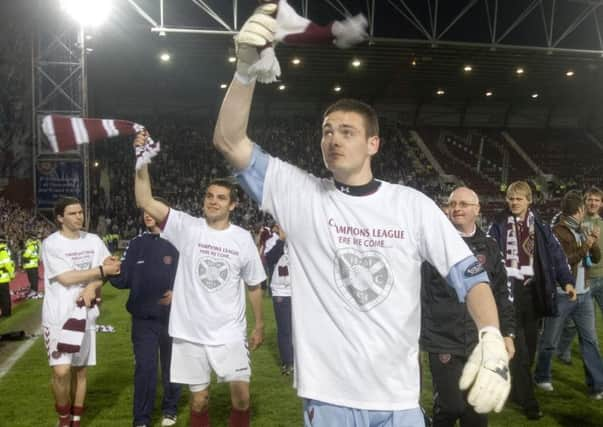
[(73, 331), (66, 133)]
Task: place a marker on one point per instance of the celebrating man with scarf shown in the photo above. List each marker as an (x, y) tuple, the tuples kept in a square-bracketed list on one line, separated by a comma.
[(535, 263)]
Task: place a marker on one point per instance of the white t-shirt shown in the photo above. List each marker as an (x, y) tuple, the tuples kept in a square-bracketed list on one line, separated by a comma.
[(280, 282), (208, 303), (355, 275), (60, 255)]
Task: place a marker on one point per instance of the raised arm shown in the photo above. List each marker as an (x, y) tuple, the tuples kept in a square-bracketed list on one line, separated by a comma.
[(142, 189), (230, 134), (255, 60)]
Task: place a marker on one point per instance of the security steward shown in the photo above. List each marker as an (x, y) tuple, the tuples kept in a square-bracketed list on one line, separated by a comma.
[(30, 260), (7, 273)]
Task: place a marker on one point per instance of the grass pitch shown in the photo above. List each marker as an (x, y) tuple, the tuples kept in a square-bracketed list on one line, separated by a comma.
[(27, 399)]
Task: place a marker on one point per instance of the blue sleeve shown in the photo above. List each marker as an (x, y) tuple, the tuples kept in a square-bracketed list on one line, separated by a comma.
[(252, 177), (466, 274), (121, 281), (274, 254), (495, 233)]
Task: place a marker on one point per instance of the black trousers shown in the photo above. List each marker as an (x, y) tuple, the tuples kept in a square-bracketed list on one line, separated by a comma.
[(5, 304), (32, 276), (449, 402), (527, 323), (152, 348)]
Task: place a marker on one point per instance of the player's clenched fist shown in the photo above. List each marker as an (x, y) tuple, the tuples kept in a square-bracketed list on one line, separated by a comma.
[(260, 27), (141, 137), (487, 373)]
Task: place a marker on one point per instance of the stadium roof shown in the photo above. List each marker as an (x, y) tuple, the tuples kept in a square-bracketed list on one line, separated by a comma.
[(416, 48)]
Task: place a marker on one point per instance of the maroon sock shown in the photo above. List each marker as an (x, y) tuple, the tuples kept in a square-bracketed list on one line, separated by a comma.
[(200, 419), (239, 418), (64, 414), (76, 412)]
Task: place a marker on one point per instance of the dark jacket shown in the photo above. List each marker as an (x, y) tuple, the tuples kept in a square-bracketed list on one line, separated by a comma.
[(273, 255), (574, 253), (550, 264), (148, 269), (446, 325)]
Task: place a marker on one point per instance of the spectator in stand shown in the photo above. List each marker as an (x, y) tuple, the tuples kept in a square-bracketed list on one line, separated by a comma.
[(535, 263), (575, 303)]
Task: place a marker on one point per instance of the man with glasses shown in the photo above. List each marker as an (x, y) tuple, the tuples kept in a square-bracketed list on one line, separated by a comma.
[(448, 333)]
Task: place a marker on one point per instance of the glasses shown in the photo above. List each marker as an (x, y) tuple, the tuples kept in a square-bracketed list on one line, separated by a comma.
[(461, 205)]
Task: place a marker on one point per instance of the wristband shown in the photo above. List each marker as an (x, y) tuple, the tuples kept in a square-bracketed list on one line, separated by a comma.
[(102, 272)]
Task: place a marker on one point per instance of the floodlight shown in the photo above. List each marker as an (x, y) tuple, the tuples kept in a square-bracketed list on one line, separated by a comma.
[(165, 57), (282, 87), (296, 61), (489, 93), (88, 12), (519, 71), (232, 59), (223, 86), (570, 73), (467, 68), (440, 92), (356, 63), (337, 88), (534, 95)]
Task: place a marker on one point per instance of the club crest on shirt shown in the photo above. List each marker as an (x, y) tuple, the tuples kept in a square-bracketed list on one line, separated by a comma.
[(364, 279), (213, 274), (481, 258), (167, 260)]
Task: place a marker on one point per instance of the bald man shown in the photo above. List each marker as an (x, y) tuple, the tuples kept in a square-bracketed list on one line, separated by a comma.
[(447, 332)]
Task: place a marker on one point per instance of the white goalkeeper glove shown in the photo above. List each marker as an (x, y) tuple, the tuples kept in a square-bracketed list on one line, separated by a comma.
[(350, 31), (487, 373), (255, 54)]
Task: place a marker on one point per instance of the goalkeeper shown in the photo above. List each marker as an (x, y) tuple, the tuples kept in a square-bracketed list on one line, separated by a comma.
[(356, 248)]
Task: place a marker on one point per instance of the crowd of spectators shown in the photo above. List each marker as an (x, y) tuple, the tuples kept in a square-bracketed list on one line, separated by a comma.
[(188, 162), (17, 224)]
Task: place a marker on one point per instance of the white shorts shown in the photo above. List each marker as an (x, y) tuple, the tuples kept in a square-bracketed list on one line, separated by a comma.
[(85, 357), (192, 363)]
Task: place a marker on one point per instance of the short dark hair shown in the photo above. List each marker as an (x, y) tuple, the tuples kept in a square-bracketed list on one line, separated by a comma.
[(572, 202), (62, 203), (594, 191), (368, 113), (227, 183)]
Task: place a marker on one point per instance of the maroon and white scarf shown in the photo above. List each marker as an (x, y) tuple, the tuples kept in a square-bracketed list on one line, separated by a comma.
[(519, 251), (292, 28), (66, 133), (74, 329)]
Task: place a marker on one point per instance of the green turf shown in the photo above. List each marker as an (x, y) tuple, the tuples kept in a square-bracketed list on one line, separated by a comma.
[(27, 401)]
